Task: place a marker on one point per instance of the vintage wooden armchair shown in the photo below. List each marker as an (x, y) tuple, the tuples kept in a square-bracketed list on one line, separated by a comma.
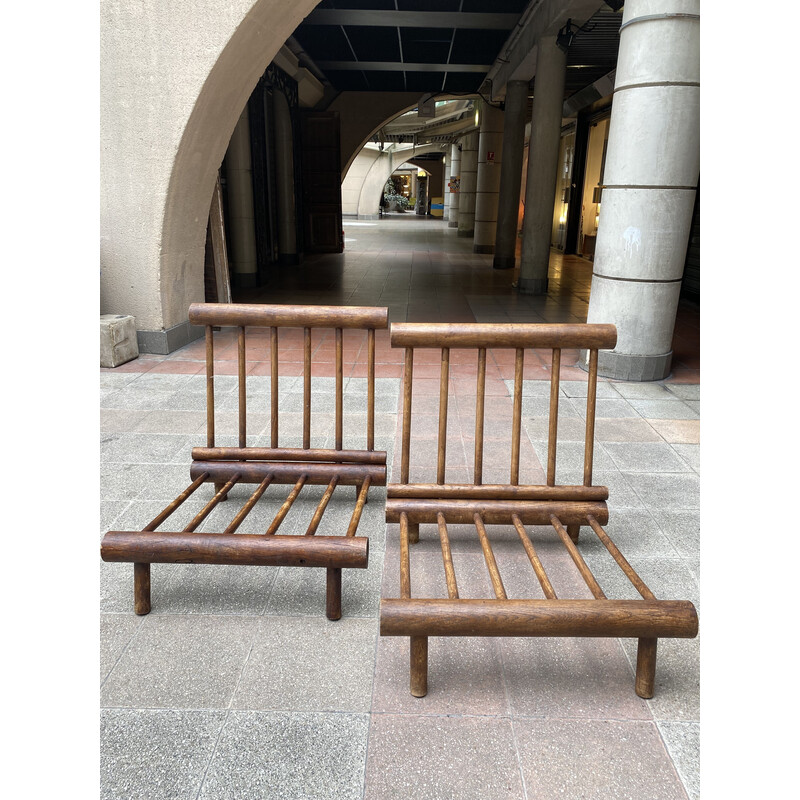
[(565, 508), (225, 467)]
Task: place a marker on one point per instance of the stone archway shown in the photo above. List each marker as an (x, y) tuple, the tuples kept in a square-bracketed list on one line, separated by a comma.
[(174, 80)]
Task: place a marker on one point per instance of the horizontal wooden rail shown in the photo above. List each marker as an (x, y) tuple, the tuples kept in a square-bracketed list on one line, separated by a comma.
[(625, 618), (277, 316), (286, 472), (496, 491), (517, 335), (237, 548), (288, 454), (497, 512)]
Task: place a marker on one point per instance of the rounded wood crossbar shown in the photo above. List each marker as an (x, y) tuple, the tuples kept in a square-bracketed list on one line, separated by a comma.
[(288, 454), (625, 618), (516, 335), (495, 491), (288, 472), (240, 548), (269, 316)]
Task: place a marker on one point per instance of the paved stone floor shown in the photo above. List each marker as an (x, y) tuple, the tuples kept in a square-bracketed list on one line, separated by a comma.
[(236, 685)]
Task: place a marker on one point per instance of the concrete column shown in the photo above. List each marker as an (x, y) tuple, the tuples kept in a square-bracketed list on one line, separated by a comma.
[(241, 218), (490, 159), (446, 189), (505, 243), (540, 189), (651, 173), (284, 178), (455, 197), (469, 177)]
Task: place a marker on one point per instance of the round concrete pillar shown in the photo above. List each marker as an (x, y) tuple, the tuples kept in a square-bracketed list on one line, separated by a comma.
[(651, 173), (446, 190), (241, 217), (284, 179), (505, 244), (455, 197), (490, 159), (540, 189), (469, 179)]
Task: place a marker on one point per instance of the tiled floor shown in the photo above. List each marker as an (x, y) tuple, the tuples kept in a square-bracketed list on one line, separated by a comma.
[(236, 686)]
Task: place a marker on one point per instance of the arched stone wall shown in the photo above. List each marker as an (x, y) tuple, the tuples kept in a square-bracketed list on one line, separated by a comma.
[(174, 80)]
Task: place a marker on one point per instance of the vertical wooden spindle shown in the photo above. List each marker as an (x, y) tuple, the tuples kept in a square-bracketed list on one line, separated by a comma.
[(419, 666), (371, 389), (141, 588), (591, 406), (273, 341), (480, 397), (646, 668), (306, 388), (242, 389), (406, 446), (339, 389), (444, 383), (517, 422), (553, 432), (333, 593), (209, 386)]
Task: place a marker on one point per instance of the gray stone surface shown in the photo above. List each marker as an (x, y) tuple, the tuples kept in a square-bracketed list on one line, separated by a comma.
[(683, 744), (288, 756)]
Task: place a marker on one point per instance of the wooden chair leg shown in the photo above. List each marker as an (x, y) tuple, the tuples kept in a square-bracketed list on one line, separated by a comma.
[(217, 487), (419, 666), (574, 532), (141, 588), (646, 668), (333, 595), (413, 532)]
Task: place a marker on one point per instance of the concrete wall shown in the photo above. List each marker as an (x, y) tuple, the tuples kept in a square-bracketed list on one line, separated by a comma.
[(174, 80)]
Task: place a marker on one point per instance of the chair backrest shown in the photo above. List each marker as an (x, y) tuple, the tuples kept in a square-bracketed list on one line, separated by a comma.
[(275, 318), (516, 337)]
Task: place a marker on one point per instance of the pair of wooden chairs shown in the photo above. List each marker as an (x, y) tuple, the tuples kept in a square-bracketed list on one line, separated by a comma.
[(563, 508)]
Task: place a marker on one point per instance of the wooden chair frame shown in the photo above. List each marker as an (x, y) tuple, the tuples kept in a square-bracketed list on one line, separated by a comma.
[(226, 467), (563, 507)]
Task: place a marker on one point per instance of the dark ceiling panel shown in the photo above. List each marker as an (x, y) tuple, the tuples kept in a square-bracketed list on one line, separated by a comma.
[(477, 47), (361, 5), (428, 45), (323, 39), (430, 5), (494, 6), (425, 81), (374, 44), (461, 82)]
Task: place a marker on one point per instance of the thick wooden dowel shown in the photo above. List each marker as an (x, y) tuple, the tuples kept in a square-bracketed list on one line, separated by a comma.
[(248, 506), (339, 389), (209, 386), (189, 490), (306, 388), (371, 389), (447, 558), (503, 334), (490, 617), (405, 559), (408, 373), (242, 389), (591, 406), (362, 499), (289, 472), (553, 426), (495, 512), (584, 570), (212, 504), (141, 588), (419, 666), (541, 575), (517, 415), (646, 667), (495, 491), (264, 315), (629, 571), (333, 593), (288, 454), (444, 385), (480, 400), (273, 419), (323, 503), (242, 548), (287, 504), (488, 555)]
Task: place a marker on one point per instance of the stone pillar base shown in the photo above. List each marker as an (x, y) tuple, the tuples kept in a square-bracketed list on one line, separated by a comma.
[(452, 224), (532, 285), (624, 367), (483, 248), (466, 233), (504, 262)]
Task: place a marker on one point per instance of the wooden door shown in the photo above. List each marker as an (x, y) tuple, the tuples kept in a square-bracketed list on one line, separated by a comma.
[(322, 188)]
